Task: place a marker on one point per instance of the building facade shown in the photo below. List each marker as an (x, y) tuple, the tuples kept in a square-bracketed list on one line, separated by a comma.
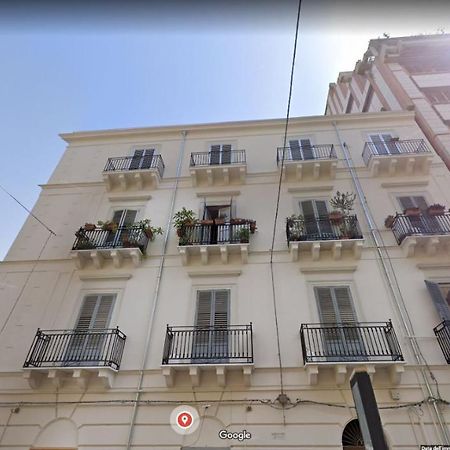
[(254, 312), (405, 73)]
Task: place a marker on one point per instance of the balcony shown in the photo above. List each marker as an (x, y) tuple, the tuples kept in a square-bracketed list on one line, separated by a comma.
[(219, 349), (133, 172), (96, 245), (442, 332), (218, 168), (62, 355), (411, 157), (342, 346), (323, 236), (314, 162), (422, 231), (216, 241)]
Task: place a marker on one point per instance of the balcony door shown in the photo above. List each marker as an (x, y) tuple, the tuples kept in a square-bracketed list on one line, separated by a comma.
[(336, 308), (142, 159), (301, 149), (87, 348), (210, 343), (317, 223), (123, 218), (418, 224), (383, 144), (216, 234), (220, 154)]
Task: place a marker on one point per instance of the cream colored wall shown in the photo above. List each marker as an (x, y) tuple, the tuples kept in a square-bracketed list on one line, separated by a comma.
[(54, 291)]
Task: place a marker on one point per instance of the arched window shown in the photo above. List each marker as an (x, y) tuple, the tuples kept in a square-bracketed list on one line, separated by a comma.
[(352, 438)]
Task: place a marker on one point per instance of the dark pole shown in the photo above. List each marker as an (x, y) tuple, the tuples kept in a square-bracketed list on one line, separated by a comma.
[(367, 411)]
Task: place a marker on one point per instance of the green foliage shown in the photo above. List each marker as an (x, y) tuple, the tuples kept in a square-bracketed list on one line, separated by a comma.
[(343, 202), (183, 217)]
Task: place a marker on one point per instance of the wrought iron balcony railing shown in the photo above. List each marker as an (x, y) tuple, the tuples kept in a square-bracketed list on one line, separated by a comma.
[(125, 163), (331, 342), (75, 348), (306, 153), (227, 233), (421, 224), (122, 237), (208, 345), (322, 229), (393, 148), (442, 332), (214, 158)]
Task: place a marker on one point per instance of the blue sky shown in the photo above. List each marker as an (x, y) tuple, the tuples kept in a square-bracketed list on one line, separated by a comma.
[(81, 69)]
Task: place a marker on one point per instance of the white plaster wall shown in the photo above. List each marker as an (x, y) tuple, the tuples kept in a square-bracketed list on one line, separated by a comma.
[(432, 80)]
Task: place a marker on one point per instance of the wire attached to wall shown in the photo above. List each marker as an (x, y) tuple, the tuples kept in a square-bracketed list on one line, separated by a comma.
[(282, 395)]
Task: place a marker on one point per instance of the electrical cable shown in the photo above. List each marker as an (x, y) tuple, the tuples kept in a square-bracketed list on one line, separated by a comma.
[(278, 205), (26, 209), (22, 289)]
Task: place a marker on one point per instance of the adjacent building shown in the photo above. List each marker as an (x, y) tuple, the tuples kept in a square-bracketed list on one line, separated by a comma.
[(406, 73), (254, 311)]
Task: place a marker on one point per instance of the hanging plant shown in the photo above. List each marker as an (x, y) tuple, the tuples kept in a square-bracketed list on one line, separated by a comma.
[(389, 221)]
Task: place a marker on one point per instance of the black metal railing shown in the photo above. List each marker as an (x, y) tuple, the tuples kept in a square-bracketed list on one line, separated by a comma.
[(208, 345), (306, 153), (215, 158), (331, 342), (392, 148), (442, 332), (75, 348), (322, 228), (122, 237), (227, 233), (125, 163), (422, 224)]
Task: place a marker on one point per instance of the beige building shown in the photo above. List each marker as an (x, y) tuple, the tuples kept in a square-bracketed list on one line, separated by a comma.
[(107, 328), (405, 73)]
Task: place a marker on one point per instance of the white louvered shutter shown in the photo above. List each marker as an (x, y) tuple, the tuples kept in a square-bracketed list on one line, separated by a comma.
[(344, 305), (221, 302), (327, 312), (95, 312), (335, 305), (204, 305), (87, 312)]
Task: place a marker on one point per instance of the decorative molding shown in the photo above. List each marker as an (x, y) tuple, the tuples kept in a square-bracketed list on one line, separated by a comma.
[(214, 273), (433, 266), (218, 194), (395, 184), (296, 190), (132, 197), (104, 276), (327, 269)]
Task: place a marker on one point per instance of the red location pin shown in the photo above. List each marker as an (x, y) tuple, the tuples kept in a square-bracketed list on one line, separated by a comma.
[(184, 419)]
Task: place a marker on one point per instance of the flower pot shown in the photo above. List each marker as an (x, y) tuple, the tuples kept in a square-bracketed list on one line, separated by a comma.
[(389, 221), (437, 210), (149, 233), (207, 222), (219, 221), (335, 217), (180, 232), (89, 226), (237, 221), (412, 212), (252, 226)]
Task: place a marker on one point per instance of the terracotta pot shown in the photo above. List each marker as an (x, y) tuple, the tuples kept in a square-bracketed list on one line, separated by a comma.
[(412, 212), (335, 217), (435, 210), (149, 233), (89, 227), (219, 221), (207, 222)]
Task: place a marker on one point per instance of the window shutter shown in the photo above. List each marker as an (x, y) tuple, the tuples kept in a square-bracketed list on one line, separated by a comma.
[(413, 202), (325, 303), (221, 308), (204, 302), (95, 312), (130, 217), (420, 202), (307, 208), (117, 216), (440, 302), (335, 305), (386, 137), (294, 145), (344, 305), (215, 148), (86, 313), (138, 153), (321, 206)]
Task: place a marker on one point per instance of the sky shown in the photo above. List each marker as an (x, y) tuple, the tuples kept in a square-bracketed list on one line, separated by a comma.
[(102, 65)]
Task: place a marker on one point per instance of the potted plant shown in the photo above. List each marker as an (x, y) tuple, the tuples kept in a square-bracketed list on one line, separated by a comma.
[(219, 221), (237, 221), (244, 235), (108, 225), (150, 232), (182, 218), (412, 212), (296, 227), (436, 210), (335, 217), (389, 221), (206, 222), (252, 224), (89, 226), (343, 202)]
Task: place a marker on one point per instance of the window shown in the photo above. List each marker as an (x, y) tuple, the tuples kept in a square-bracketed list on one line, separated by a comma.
[(301, 149), (412, 201), (336, 308), (211, 322), (317, 223), (384, 144), (123, 218), (220, 154), (88, 348), (352, 438), (440, 294), (142, 158)]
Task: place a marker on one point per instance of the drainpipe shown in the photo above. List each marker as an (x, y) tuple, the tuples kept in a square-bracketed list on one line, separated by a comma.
[(156, 292), (392, 283)]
